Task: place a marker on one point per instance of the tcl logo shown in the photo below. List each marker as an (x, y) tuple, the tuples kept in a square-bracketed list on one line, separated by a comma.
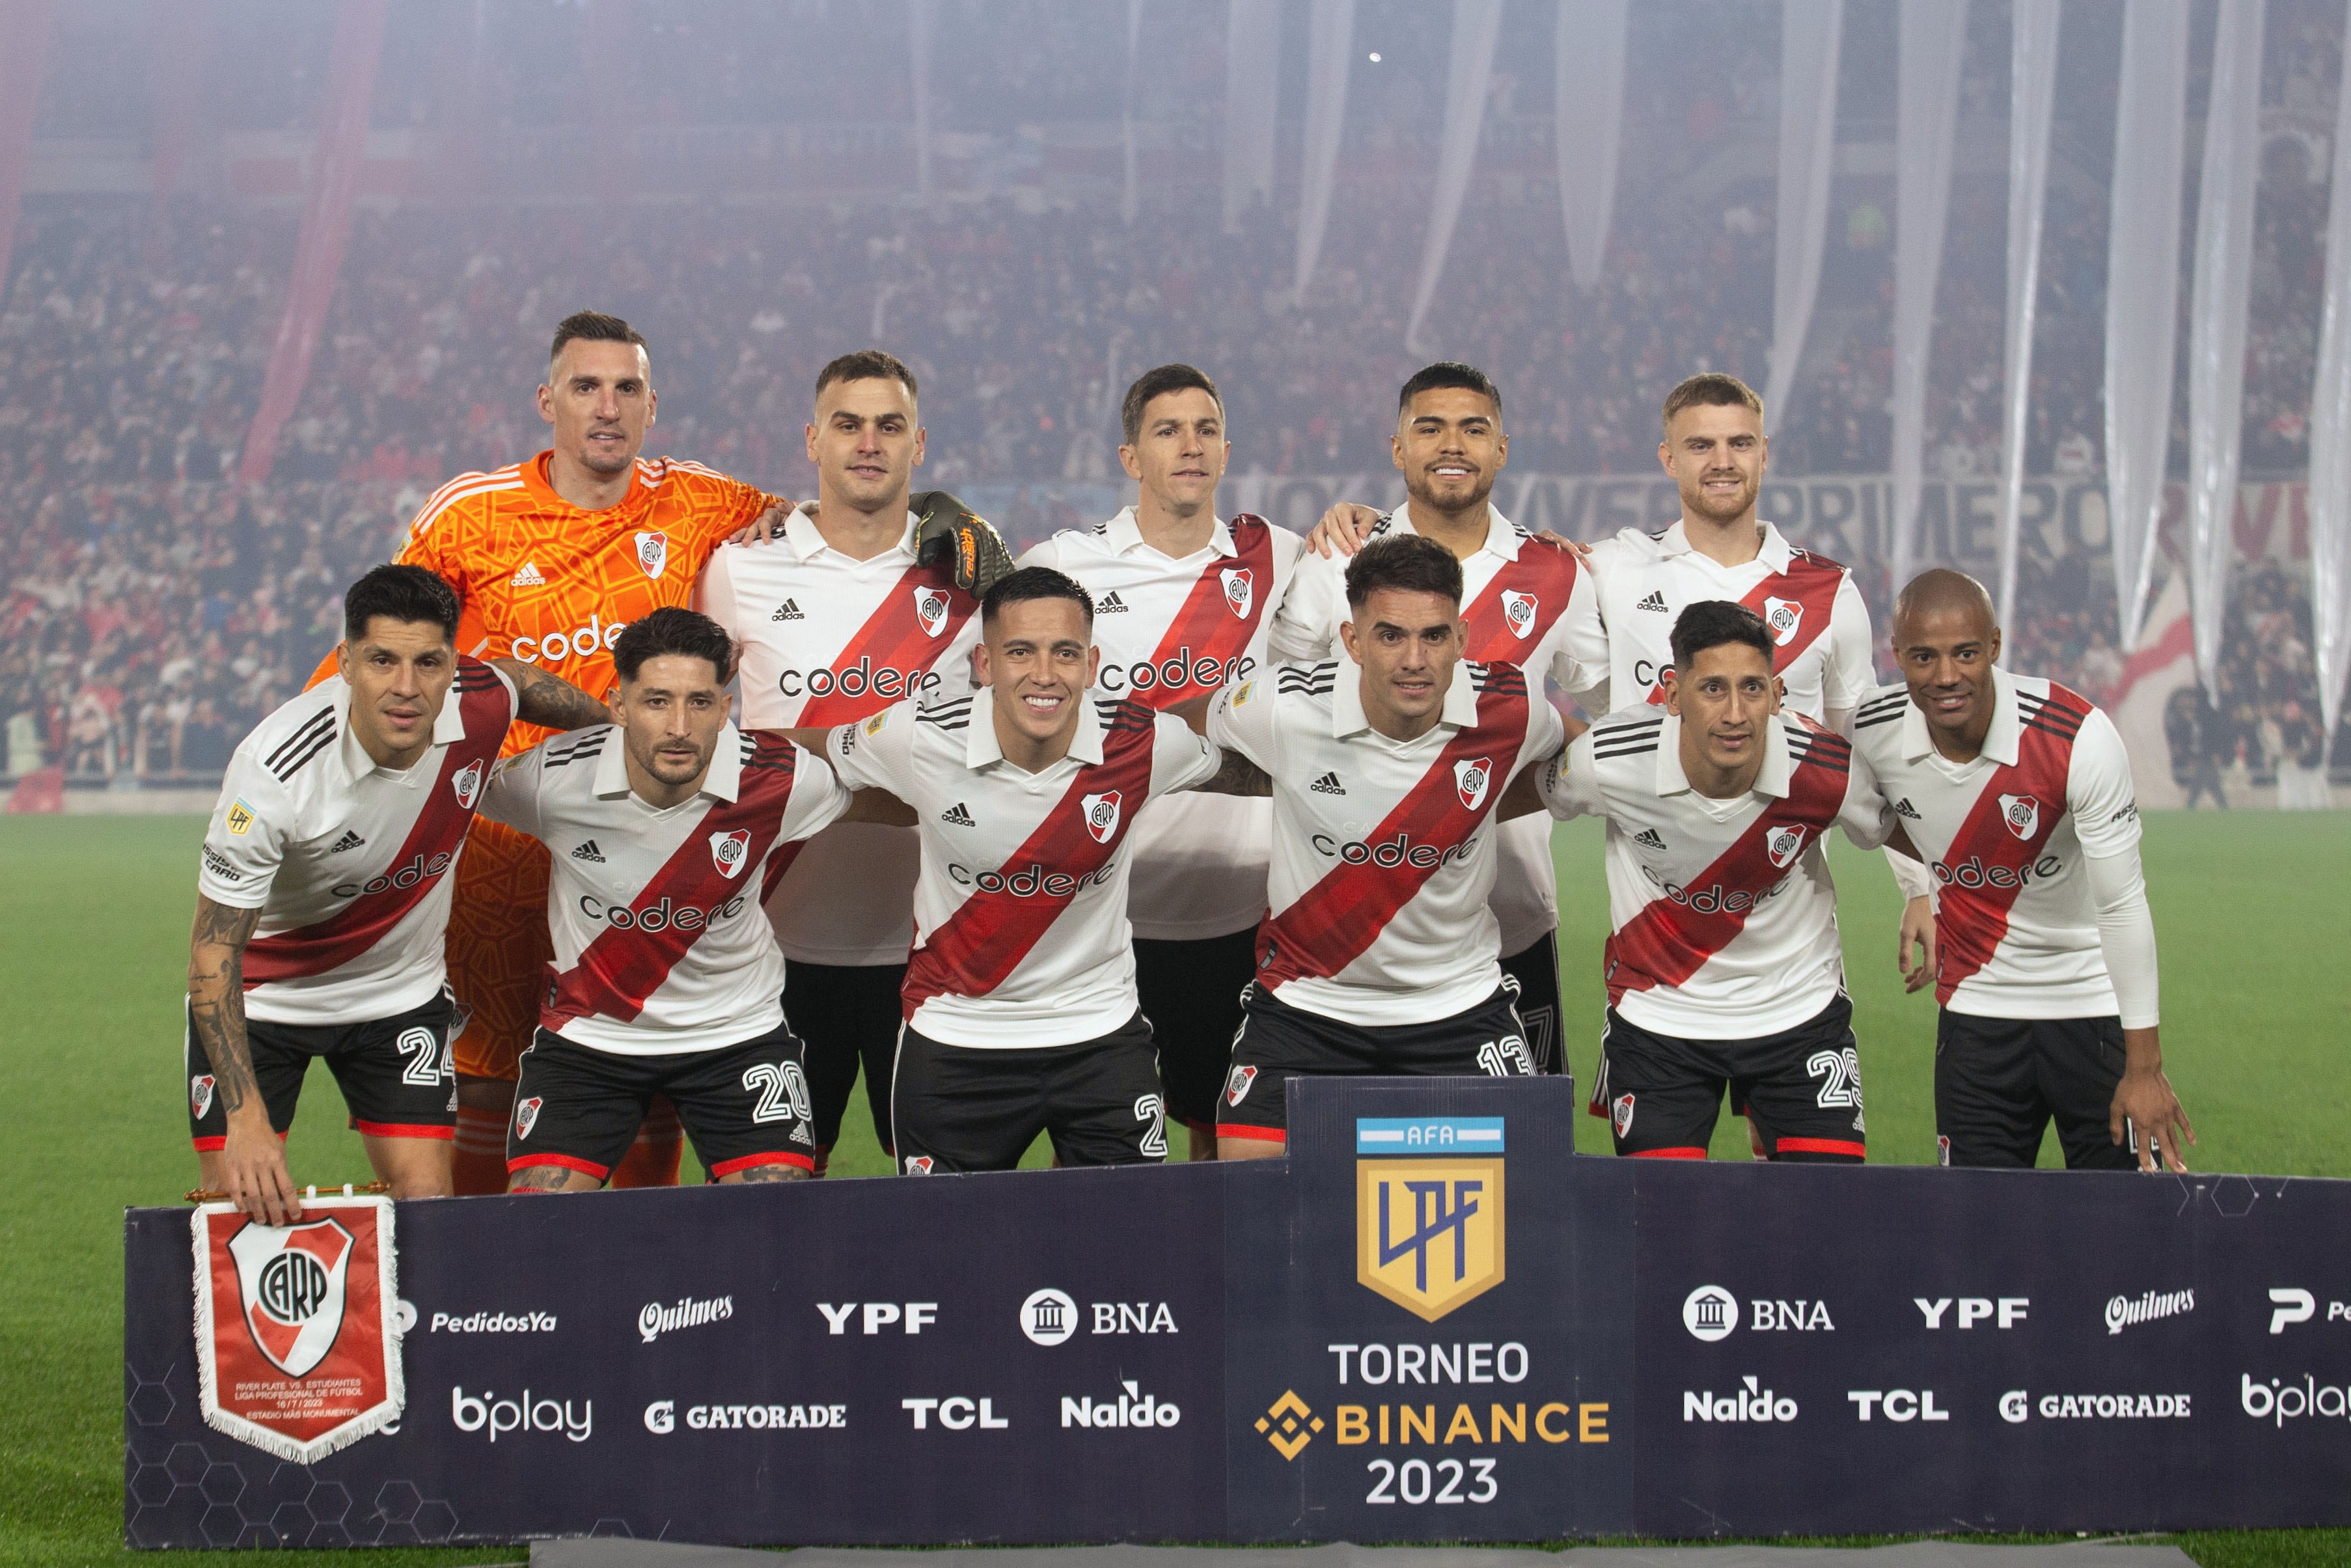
[(857, 680), (1898, 1404), (580, 643), (1178, 671), (957, 1414), (2008, 1310), (1396, 852), (417, 870)]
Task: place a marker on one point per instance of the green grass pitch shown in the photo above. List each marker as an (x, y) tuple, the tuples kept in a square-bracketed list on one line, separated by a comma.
[(2254, 1019)]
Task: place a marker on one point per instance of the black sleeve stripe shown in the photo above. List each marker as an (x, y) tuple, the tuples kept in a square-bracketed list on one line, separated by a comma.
[(1877, 719), (303, 735), (286, 770), (1643, 751)]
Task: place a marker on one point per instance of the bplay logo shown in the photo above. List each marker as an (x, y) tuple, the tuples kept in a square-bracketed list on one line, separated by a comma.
[(655, 1319), (1132, 1408), (2280, 1400), (1711, 1313), (485, 1410)]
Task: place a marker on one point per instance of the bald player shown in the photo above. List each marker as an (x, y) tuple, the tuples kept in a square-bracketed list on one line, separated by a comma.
[(2017, 792)]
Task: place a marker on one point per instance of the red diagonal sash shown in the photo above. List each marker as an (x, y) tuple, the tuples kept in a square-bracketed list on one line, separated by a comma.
[(1971, 920), (1212, 623), (619, 970), (428, 852), (1667, 941), (976, 948), (1333, 922), (894, 637), (1540, 583), (1809, 585)]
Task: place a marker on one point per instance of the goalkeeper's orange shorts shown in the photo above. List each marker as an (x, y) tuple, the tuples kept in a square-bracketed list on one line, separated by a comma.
[(498, 948)]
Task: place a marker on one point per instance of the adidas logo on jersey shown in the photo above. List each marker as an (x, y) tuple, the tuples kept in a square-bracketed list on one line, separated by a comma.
[(1110, 605), (1650, 837), (1656, 601), (1327, 785), (528, 576), (350, 840), (955, 816), (1903, 808), (587, 851), (789, 609)]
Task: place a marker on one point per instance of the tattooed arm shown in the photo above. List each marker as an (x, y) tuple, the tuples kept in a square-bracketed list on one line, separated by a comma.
[(1239, 775), (550, 701), (251, 1166)]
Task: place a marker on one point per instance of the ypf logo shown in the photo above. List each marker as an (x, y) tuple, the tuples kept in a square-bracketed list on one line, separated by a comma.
[(291, 1278), (468, 786), (1048, 1317), (1519, 612), (1710, 1313), (1782, 616), (1784, 845), (2022, 815), (653, 554), (1470, 775), (1102, 815), (729, 851), (1240, 591), (931, 610), (1429, 1230)]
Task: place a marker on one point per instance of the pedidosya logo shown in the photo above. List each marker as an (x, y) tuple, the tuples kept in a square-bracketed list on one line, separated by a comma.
[(1429, 1210)]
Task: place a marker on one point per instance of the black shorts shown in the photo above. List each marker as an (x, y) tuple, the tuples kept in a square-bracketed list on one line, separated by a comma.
[(1800, 1089), (969, 1108), (743, 1105), (847, 1017), (1191, 992), (1279, 1042), (1535, 970), (1998, 1083), (396, 1073)]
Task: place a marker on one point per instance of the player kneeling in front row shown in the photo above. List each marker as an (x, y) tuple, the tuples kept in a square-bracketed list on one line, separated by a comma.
[(323, 899), (1019, 999), (1380, 954), (662, 831), (1724, 968)]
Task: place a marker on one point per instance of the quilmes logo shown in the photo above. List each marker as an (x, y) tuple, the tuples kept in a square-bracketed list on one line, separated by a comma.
[(1429, 1210), (656, 1320)]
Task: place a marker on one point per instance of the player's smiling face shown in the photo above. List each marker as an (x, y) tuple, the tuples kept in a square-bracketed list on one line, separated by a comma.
[(866, 443), (1725, 701), (399, 673), (1179, 453), (1039, 655), (672, 715), (1716, 454), (1449, 445), (1947, 653), (1407, 644), (600, 399)]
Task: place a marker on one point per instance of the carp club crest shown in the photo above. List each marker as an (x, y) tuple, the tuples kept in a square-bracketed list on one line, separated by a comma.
[(1240, 593), (1102, 815), (653, 554), (1519, 612), (727, 852), (1470, 775), (931, 609), (1429, 1210), (2022, 815), (290, 1281), (467, 783), (1784, 845), (1782, 616)]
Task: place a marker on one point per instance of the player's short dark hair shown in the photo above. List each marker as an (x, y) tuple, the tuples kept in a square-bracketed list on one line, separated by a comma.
[(1450, 373), (866, 365), (671, 630), (593, 327), (1159, 382), (1713, 622), (1405, 562), (407, 594), (1711, 389), (1034, 582)]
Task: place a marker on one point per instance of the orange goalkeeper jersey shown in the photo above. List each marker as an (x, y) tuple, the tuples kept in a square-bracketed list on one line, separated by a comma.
[(552, 585)]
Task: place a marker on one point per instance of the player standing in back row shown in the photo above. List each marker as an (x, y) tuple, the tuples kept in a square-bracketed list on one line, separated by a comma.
[(1183, 606), (2019, 792)]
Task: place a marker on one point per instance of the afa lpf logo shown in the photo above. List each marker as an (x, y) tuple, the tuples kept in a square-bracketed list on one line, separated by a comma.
[(1429, 1210), (291, 1278)]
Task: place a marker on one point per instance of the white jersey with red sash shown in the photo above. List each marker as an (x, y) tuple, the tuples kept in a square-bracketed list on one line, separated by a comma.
[(1169, 630), (349, 862), (1530, 603), (1820, 626), (2016, 923), (660, 946), (1021, 936), (825, 640), (1723, 914), (1384, 851)]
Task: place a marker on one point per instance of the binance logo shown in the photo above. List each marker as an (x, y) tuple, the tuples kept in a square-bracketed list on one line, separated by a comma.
[(1429, 1210), (1288, 1424)]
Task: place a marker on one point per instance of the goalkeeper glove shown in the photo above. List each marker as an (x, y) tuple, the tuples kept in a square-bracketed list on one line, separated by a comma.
[(951, 534)]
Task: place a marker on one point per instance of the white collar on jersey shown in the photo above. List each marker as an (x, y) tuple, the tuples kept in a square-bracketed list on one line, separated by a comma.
[(808, 540), (1124, 535), (1771, 781), (356, 764), (1774, 552), (1501, 537), (2000, 741), (980, 748), (1347, 715), (722, 782)]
